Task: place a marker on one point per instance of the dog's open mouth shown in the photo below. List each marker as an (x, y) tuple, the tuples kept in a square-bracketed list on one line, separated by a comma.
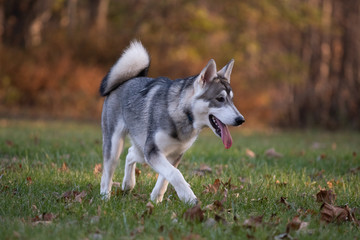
[(222, 130)]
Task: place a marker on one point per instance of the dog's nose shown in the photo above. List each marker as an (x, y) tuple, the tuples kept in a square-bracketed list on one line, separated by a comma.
[(239, 120)]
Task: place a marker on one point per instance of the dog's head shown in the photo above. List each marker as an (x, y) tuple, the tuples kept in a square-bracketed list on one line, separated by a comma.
[(213, 104)]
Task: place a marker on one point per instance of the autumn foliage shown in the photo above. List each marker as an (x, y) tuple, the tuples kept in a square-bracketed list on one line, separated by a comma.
[(296, 62)]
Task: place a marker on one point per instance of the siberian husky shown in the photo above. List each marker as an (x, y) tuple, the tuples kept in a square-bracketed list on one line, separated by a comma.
[(162, 118)]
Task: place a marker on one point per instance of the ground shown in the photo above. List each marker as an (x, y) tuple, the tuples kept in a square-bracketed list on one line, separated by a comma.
[(264, 187)]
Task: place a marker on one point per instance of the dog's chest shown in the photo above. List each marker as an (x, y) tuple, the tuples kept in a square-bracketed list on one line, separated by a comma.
[(171, 146)]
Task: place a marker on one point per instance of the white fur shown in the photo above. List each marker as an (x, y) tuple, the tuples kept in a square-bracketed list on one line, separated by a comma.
[(134, 59)]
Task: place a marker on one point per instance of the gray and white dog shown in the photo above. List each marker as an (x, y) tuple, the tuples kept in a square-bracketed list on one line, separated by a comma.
[(162, 118)]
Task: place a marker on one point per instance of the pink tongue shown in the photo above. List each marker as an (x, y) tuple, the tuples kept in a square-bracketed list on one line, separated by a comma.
[(225, 134)]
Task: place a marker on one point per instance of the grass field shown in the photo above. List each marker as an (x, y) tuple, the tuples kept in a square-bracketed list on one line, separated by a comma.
[(49, 186)]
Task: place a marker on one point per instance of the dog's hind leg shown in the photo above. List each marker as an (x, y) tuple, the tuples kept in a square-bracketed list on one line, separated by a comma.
[(112, 147), (161, 185), (132, 158)]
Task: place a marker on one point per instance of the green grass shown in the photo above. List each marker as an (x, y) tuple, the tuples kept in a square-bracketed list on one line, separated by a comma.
[(33, 179)]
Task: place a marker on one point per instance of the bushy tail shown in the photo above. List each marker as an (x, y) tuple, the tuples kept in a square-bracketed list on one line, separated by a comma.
[(134, 62)]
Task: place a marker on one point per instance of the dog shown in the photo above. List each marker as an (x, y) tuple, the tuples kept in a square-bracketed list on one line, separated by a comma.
[(162, 117)]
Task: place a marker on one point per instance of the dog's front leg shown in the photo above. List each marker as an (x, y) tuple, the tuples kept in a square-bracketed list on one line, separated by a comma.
[(168, 172), (161, 185)]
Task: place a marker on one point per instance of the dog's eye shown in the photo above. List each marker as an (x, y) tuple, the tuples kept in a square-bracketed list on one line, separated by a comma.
[(220, 99)]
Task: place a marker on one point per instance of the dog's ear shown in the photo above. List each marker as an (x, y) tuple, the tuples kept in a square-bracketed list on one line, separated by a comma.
[(207, 74), (225, 72)]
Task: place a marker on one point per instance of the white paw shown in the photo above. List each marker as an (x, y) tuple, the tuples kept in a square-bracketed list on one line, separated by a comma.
[(105, 195), (156, 198), (127, 185), (187, 196)]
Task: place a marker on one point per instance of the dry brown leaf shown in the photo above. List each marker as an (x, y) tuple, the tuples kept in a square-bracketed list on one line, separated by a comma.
[(64, 167), (212, 188), (149, 207), (29, 181), (229, 186), (326, 196), (194, 214), (80, 196), (9, 143), (253, 222), (215, 206), (44, 218), (97, 168), (354, 170), (280, 184), (75, 196), (283, 201), (219, 218), (192, 236), (250, 153), (202, 170), (272, 153), (296, 225), (321, 157), (330, 213), (137, 172)]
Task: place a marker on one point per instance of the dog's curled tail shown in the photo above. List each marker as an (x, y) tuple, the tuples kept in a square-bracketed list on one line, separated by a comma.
[(134, 62)]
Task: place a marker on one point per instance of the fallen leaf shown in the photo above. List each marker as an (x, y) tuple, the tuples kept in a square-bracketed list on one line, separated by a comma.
[(333, 146), (280, 184), (49, 216), (272, 153), (250, 153), (229, 186), (137, 172), (283, 201), (28, 181), (219, 218), (44, 218), (212, 188), (215, 206), (330, 184), (296, 225), (80, 196), (192, 236), (149, 207), (326, 196), (202, 170), (355, 170), (321, 157), (75, 196), (253, 222), (64, 167), (330, 213), (194, 214), (97, 168), (9, 143)]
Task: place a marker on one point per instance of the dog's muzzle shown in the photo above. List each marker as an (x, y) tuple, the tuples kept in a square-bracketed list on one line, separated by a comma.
[(239, 120)]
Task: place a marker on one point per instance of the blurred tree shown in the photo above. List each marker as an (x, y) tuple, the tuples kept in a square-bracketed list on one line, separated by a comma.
[(297, 61)]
